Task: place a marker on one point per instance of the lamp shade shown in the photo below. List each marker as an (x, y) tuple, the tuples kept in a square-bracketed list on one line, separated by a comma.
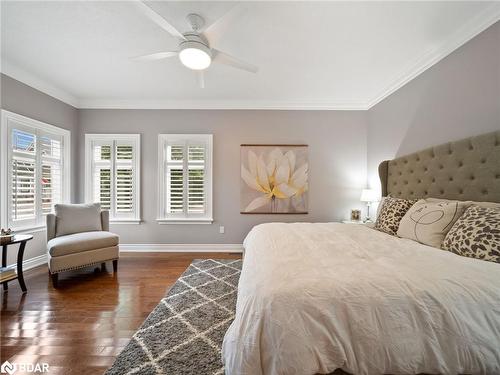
[(368, 195)]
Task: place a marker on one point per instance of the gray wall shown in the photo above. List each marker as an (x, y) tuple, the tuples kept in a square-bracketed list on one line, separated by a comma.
[(337, 159), (456, 98), (24, 100)]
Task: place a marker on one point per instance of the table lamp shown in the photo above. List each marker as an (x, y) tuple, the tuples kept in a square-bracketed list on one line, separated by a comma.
[(368, 196)]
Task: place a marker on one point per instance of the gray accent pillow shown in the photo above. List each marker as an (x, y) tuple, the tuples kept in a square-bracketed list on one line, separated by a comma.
[(476, 234), (428, 222), (77, 218), (391, 212)]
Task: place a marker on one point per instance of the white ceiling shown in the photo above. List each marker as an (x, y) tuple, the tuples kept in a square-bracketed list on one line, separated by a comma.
[(312, 55)]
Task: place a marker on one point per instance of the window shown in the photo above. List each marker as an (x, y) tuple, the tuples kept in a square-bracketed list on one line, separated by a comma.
[(185, 178), (35, 170), (112, 175)]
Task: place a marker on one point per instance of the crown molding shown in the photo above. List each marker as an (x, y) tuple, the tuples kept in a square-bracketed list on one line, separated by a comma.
[(469, 30), (222, 104), (31, 80)]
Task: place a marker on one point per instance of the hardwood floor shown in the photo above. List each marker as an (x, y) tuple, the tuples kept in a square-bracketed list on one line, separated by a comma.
[(80, 327)]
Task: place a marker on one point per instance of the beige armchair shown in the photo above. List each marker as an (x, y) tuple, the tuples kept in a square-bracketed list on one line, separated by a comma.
[(78, 236)]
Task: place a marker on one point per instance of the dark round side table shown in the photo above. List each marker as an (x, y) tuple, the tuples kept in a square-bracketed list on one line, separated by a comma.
[(21, 239)]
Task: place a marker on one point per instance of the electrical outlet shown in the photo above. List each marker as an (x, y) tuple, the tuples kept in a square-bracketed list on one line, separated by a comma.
[(221, 229)]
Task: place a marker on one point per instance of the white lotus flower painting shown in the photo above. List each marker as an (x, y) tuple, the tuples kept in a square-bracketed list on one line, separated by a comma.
[(274, 179)]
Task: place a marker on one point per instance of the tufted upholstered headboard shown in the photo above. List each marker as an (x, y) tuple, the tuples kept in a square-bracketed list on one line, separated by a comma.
[(468, 169)]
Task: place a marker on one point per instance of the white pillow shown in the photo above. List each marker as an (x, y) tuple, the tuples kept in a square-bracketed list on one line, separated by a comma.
[(429, 222), (472, 203), (77, 218)]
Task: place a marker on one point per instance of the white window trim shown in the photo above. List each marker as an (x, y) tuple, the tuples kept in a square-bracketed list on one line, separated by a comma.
[(7, 117), (136, 138), (162, 217)]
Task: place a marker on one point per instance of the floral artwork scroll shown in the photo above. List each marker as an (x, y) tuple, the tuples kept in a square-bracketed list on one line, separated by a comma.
[(274, 179)]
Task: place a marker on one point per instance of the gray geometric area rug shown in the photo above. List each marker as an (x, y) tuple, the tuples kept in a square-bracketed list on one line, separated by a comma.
[(184, 333)]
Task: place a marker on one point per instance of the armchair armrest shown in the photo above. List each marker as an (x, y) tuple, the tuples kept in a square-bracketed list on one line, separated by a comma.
[(51, 226), (105, 221)]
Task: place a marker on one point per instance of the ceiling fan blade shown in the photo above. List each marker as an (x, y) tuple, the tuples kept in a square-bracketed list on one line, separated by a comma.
[(224, 58), (201, 79), (156, 56), (219, 27), (158, 19)]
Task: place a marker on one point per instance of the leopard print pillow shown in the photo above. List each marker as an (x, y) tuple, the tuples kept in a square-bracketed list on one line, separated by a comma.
[(476, 234), (391, 213)]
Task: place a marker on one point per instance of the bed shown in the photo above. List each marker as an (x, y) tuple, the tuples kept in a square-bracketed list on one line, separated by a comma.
[(316, 297)]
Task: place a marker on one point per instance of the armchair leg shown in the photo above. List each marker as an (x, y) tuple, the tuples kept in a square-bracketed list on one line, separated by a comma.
[(115, 265), (55, 278)]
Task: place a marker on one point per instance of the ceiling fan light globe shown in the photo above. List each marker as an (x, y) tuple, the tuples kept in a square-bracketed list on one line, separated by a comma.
[(195, 58)]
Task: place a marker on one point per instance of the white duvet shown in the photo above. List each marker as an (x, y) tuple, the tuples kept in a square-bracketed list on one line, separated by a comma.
[(316, 297)]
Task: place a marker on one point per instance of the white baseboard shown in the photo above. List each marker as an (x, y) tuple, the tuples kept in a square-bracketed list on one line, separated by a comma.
[(151, 248), (182, 248), (32, 262)]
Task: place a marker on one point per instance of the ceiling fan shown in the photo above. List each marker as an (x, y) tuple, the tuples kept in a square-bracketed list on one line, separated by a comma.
[(195, 47)]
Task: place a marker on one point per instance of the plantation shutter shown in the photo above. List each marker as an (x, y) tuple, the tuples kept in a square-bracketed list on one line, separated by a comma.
[(35, 175), (114, 182), (102, 174), (184, 180), (196, 179), (124, 179), (51, 173), (23, 177), (175, 178)]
